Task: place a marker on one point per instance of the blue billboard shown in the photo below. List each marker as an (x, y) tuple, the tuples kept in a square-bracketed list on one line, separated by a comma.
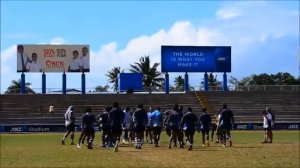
[(130, 81), (195, 58)]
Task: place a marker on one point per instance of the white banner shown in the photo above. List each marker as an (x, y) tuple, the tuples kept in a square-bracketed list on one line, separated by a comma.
[(53, 58)]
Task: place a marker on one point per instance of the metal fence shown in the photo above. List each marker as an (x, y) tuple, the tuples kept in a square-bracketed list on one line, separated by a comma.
[(91, 90)]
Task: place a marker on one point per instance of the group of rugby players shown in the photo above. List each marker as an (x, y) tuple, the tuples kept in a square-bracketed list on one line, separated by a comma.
[(176, 122)]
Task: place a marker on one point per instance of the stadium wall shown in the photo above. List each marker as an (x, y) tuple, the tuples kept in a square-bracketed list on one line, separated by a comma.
[(61, 128)]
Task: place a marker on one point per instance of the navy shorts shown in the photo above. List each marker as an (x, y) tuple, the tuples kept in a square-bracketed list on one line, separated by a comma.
[(116, 130), (189, 132), (71, 127), (139, 128), (88, 130)]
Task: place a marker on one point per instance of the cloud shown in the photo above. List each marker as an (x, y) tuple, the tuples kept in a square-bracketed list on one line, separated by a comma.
[(57, 40), (262, 40), (228, 13)]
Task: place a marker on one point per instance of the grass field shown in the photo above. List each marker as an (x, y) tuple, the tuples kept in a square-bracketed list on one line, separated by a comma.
[(45, 150)]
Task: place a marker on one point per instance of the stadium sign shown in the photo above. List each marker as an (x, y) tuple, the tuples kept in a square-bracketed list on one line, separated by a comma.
[(53, 58), (195, 58)]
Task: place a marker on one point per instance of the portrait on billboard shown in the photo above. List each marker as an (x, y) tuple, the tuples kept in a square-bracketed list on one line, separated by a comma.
[(85, 59), (34, 65), (22, 59), (76, 63)]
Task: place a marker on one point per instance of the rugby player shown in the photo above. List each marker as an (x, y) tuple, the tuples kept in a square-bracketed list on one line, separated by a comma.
[(188, 124), (104, 126), (205, 124), (180, 133), (140, 119), (126, 124), (70, 125), (88, 120), (173, 123), (271, 121), (226, 122), (148, 127), (156, 121), (116, 118)]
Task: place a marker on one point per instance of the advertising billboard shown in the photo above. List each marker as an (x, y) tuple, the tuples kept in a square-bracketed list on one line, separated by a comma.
[(195, 58), (53, 58), (130, 81)]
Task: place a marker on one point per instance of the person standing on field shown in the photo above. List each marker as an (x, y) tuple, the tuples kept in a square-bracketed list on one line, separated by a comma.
[(70, 125), (188, 124), (140, 119), (156, 121), (205, 124), (116, 119), (148, 127), (226, 122)]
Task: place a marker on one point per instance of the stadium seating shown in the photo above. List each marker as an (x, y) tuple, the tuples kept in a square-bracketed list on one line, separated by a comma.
[(247, 106), (25, 109)]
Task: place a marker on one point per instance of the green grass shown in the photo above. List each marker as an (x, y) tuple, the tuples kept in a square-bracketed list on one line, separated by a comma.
[(45, 150)]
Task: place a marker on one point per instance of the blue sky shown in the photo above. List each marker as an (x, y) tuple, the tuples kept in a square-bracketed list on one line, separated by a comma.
[(264, 35)]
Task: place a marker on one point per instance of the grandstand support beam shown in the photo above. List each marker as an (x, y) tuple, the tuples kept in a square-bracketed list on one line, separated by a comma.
[(43, 83), (205, 81), (22, 91), (167, 83), (224, 82), (64, 83), (83, 83), (186, 82)]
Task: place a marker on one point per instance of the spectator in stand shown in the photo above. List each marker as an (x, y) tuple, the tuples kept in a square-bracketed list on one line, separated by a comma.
[(51, 109)]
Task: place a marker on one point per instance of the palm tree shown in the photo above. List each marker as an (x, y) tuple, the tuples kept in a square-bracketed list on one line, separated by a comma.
[(212, 80), (151, 77), (113, 77), (179, 82), (15, 87), (100, 88)]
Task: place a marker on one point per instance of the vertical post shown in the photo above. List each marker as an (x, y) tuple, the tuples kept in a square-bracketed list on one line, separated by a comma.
[(64, 83), (22, 91), (206, 81), (43, 83), (83, 83), (186, 82), (167, 83), (224, 82)]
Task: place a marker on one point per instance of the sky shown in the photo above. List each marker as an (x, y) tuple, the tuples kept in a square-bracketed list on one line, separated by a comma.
[(263, 35)]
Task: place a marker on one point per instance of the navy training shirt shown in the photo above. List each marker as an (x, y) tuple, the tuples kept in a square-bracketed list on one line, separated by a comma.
[(88, 120), (116, 117), (205, 121), (140, 117), (226, 117), (189, 121)]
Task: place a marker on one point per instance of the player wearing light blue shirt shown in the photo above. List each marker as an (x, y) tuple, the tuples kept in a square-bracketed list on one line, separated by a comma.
[(148, 127), (156, 121)]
